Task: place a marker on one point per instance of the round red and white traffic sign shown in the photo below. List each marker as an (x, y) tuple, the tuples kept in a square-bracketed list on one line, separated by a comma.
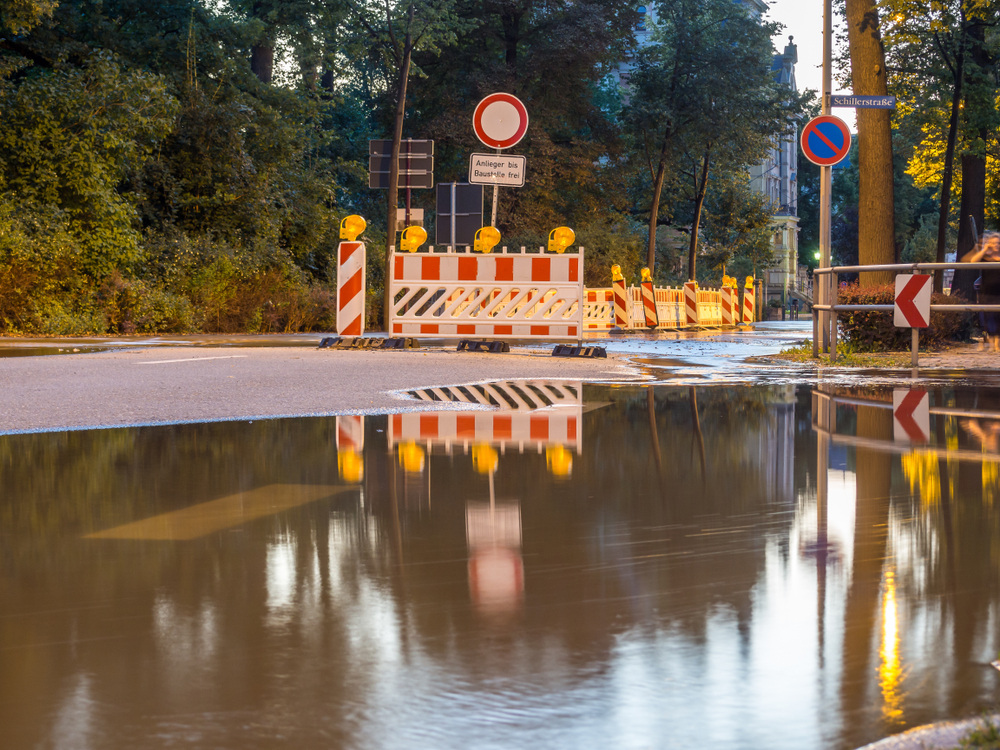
[(500, 120)]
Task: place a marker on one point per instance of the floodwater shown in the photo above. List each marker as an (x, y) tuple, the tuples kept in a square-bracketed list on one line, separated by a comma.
[(585, 567)]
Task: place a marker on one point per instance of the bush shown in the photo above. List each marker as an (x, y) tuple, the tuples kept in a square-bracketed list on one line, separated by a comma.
[(875, 332)]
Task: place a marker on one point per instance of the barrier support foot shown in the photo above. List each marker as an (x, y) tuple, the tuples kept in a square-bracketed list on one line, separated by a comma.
[(567, 350), (493, 347)]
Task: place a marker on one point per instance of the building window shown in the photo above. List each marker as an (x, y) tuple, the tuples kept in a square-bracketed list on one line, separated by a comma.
[(641, 25)]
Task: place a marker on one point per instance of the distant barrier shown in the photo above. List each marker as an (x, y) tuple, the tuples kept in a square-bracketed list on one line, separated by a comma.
[(598, 309)]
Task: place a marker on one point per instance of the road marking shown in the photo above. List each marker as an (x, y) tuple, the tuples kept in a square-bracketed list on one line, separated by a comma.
[(191, 359)]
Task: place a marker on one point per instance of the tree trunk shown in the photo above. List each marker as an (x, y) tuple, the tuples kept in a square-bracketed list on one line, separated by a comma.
[(397, 135), (262, 61), (978, 102), (876, 220), (654, 206), (699, 201), (949, 167)]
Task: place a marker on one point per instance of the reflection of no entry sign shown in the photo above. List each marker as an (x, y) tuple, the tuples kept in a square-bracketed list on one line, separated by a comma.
[(826, 140), (500, 120)]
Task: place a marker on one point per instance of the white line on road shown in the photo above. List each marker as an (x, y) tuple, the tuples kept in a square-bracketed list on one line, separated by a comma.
[(191, 359)]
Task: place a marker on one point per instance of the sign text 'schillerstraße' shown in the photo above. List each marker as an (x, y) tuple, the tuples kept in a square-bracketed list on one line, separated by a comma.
[(497, 169)]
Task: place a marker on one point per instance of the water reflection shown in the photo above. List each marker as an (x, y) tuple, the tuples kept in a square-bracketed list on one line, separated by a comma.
[(583, 566)]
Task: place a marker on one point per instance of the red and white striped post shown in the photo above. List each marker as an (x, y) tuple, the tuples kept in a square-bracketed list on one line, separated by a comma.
[(691, 303), (726, 302), (648, 299), (748, 301), (621, 299), (351, 278)]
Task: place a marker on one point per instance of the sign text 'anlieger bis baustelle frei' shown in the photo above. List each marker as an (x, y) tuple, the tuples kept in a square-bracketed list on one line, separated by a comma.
[(496, 169)]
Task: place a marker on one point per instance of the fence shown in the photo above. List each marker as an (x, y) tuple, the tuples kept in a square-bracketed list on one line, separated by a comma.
[(824, 315)]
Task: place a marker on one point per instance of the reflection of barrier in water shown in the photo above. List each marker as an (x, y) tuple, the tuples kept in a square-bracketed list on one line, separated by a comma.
[(350, 448)]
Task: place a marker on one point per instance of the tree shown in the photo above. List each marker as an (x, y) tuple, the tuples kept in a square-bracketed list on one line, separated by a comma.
[(876, 221), (701, 94), (398, 29), (738, 224)]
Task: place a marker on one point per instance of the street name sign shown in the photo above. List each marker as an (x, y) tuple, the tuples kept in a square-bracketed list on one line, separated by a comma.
[(380, 180), (911, 420), (406, 146), (826, 140), (913, 301), (408, 164), (863, 102), (500, 120), (497, 169)]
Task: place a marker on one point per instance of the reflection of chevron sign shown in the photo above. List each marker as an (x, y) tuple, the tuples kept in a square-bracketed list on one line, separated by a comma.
[(911, 421)]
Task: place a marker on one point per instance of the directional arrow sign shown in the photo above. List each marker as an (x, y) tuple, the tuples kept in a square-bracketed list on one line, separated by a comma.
[(911, 420), (913, 301)]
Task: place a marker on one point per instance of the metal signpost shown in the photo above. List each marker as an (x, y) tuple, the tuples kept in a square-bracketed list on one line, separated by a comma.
[(500, 121)]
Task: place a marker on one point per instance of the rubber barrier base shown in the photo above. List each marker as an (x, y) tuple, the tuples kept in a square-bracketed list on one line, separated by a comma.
[(493, 347), (360, 342), (565, 350)]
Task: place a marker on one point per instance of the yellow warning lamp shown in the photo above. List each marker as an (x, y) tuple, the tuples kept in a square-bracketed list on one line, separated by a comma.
[(749, 284), (411, 456), (352, 227), (351, 466), (484, 459), (616, 273), (560, 238), (559, 461), (646, 275), (486, 239), (413, 238)]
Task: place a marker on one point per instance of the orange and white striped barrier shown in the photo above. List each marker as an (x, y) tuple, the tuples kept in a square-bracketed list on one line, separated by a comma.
[(598, 309), (648, 299), (623, 319), (691, 303), (709, 307), (457, 294), (748, 302), (351, 278), (729, 299)]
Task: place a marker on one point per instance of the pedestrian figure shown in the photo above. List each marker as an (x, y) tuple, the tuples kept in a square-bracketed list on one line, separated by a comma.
[(988, 286)]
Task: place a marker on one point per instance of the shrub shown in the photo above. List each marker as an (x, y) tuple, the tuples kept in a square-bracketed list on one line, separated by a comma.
[(875, 332)]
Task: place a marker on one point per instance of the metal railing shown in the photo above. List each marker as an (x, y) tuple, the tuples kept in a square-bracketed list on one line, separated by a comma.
[(824, 315)]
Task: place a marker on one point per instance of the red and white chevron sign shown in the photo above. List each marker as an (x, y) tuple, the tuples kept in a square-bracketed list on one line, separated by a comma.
[(913, 301), (911, 420), (351, 289)]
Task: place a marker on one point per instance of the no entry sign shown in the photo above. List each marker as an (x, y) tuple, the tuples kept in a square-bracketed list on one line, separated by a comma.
[(826, 140), (500, 120)]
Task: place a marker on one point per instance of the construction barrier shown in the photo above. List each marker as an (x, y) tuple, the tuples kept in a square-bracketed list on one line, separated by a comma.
[(691, 308), (748, 302), (598, 309), (623, 313), (459, 294), (729, 299), (709, 308), (648, 299), (351, 278)]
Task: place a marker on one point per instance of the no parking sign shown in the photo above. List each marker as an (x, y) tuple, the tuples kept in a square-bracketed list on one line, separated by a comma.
[(826, 140)]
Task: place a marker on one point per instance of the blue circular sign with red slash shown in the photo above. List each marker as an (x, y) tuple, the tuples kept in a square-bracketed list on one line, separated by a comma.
[(826, 140)]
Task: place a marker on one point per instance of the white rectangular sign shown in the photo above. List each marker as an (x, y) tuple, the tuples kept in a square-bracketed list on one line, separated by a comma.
[(497, 169)]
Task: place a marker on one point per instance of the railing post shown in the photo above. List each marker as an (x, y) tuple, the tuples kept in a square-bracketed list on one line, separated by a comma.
[(815, 317)]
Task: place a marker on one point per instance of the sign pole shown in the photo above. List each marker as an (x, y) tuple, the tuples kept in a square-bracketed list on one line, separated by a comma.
[(454, 211), (496, 195), (826, 295)]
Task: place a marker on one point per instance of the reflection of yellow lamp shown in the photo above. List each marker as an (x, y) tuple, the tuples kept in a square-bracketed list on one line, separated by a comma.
[(413, 238), (646, 275), (411, 456), (484, 459), (486, 239), (560, 238), (351, 227), (559, 461), (351, 466), (616, 273)]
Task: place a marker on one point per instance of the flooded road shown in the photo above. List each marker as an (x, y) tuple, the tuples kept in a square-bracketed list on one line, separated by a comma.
[(581, 566)]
